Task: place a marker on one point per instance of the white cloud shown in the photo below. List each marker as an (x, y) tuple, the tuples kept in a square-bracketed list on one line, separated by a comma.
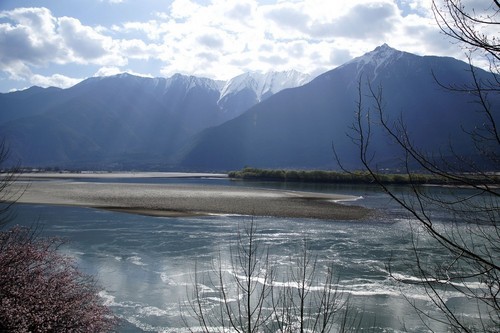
[(85, 43), (217, 38), (183, 9), (211, 41), (288, 17), (196, 38), (108, 71), (40, 20), (340, 56), (31, 40), (112, 70), (240, 11), (138, 49), (55, 80), (35, 37), (361, 22), (17, 71), (151, 29)]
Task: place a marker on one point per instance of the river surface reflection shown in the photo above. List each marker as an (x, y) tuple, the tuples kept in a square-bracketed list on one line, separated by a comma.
[(145, 265)]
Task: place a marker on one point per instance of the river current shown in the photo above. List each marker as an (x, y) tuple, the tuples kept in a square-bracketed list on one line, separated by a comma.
[(145, 265)]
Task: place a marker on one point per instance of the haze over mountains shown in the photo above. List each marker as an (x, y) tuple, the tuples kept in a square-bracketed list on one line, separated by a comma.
[(282, 120)]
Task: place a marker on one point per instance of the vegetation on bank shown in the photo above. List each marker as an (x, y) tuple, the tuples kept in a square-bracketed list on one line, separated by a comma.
[(357, 177), (41, 289)]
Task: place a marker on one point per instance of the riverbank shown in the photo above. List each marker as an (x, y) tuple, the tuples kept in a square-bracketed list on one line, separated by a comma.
[(189, 200), (115, 175), (364, 177)]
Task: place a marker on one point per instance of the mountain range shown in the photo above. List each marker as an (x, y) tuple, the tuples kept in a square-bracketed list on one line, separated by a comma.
[(126, 121), (278, 119)]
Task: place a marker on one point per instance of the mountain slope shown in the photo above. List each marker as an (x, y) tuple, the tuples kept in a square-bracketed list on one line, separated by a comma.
[(105, 120), (296, 128), (248, 89)]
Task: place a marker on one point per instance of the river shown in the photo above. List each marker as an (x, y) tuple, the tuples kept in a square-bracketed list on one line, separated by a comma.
[(145, 265)]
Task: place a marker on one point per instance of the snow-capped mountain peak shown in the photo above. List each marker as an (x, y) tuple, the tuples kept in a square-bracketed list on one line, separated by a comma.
[(264, 84), (380, 54), (370, 63), (190, 81)]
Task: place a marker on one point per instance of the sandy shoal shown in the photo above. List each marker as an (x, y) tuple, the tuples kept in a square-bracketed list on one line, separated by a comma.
[(189, 200)]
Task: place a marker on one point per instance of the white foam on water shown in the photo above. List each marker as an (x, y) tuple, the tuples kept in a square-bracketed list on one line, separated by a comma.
[(203, 288), (382, 289), (108, 299), (145, 327), (227, 215), (167, 279), (137, 313), (220, 300), (153, 311), (347, 199), (416, 280), (136, 260)]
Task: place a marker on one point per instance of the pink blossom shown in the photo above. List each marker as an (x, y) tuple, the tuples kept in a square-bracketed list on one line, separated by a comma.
[(42, 290)]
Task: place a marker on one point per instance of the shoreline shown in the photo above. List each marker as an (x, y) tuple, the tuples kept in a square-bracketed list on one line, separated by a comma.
[(183, 200), (113, 175)]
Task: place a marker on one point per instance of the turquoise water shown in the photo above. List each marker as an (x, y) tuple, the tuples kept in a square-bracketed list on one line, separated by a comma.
[(146, 265)]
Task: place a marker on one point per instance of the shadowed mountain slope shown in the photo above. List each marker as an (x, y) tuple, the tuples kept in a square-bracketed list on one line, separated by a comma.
[(124, 121)]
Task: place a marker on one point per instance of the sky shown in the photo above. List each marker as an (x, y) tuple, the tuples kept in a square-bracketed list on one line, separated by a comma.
[(62, 42)]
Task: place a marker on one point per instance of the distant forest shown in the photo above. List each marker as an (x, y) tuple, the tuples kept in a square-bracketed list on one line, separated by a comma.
[(356, 177)]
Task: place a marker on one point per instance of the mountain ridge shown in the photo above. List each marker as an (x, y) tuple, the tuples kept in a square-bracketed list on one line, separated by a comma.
[(125, 122), (320, 113), (110, 117)]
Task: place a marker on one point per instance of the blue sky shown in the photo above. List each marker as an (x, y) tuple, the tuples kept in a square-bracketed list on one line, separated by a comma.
[(59, 43)]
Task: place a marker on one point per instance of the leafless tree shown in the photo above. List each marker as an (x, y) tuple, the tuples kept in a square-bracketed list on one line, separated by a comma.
[(473, 28), (311, 299), (250, 294), (470, 240), (8, 195), (238, 290)]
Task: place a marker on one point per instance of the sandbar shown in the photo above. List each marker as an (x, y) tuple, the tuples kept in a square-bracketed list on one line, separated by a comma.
[(189, 200)]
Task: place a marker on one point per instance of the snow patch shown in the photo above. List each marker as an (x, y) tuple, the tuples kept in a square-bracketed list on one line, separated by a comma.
[(190, 82), (371, 62), (264, 84)]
